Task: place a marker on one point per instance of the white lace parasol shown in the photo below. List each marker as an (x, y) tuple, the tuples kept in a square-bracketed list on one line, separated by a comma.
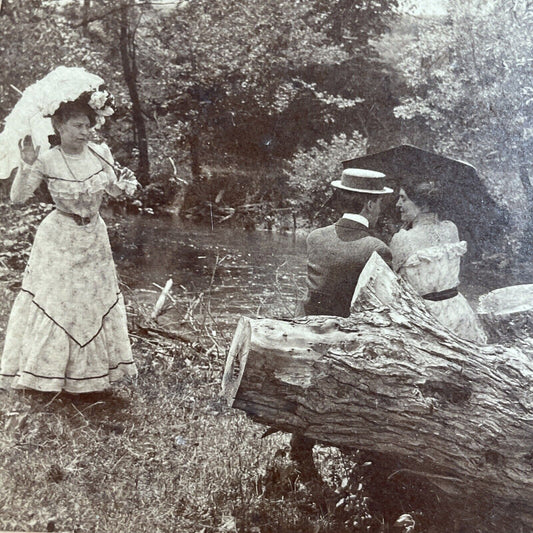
[(31, 114)]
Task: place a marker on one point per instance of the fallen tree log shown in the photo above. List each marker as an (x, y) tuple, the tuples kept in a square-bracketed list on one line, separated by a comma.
[(391, 379), (507, 315)]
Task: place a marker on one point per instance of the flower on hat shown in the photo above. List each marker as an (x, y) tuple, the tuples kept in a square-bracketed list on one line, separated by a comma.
[(101, 101), (98, 99), (106, 111)]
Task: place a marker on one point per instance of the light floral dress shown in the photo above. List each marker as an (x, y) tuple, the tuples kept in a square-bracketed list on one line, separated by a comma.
[(68, 329), (428, 256)]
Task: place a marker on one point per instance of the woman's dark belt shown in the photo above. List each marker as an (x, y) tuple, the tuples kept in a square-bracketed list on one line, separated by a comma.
[(441, 295), (80, 221)]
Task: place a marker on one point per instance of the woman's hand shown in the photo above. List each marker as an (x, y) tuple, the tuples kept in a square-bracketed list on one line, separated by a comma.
[(127, 181), (126, 174), (28, 152)]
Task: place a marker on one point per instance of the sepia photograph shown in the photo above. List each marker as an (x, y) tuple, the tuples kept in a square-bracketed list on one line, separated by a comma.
[(266, 266)]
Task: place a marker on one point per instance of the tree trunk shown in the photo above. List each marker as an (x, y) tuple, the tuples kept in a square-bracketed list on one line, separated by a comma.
[(524, 165), (391, 379), (194, 151), (129, 66), (85, 16)]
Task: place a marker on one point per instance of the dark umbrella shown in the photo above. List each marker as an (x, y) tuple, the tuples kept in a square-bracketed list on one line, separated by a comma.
[(463, 198)]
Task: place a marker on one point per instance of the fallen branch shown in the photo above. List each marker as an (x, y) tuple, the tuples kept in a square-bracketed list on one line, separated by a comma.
[(162, 299), (173, 335)]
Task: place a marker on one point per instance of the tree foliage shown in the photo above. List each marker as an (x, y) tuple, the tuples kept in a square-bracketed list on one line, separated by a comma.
[(469, 90), (310, 172), (211, 83), (234, 81)]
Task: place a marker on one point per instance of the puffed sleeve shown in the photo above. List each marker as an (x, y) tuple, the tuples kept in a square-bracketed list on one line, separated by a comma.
[(400, 249), (449, 230), (27, 179), (385, 252)]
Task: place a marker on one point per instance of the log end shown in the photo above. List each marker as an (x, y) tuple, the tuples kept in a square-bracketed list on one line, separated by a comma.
[(236, 360), (377, 285)]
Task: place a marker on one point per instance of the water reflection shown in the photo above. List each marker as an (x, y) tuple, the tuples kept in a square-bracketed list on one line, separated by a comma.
[(244, 273)]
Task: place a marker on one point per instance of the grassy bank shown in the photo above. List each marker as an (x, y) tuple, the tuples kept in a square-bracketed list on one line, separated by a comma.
[(161, 454)]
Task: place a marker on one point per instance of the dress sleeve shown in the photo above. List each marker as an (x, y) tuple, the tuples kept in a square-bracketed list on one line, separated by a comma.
[(107, 158), (450, 231), (124, 183), (27, 179), (385, 252), (400, 249)]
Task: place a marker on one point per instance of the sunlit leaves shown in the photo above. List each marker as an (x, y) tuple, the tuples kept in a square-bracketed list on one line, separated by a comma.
[(469, 76)]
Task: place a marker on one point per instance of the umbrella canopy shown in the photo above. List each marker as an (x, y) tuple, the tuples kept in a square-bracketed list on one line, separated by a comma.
[(31, 114), (463, 198)]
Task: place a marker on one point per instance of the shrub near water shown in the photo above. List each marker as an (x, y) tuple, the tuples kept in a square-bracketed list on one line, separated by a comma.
[(311, 172)]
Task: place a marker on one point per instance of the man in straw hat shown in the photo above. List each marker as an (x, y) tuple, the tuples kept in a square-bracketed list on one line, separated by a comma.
[(336, 255)]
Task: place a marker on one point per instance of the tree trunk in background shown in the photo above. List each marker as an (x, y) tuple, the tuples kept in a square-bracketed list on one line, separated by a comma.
[(85, 16), (523, 172), (129, 66), (392, 380), (194, 150)]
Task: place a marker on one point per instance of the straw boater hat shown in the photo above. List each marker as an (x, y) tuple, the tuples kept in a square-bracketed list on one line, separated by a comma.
[(363, 181)]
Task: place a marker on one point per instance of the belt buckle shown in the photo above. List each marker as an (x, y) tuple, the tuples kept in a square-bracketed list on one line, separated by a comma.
[(82, 221)]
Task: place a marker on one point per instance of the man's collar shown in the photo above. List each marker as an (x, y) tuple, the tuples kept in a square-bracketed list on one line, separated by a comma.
[(355, 218)]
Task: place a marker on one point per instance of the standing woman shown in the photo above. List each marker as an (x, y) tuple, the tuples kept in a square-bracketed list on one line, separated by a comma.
[(428, 255), (68, 329)]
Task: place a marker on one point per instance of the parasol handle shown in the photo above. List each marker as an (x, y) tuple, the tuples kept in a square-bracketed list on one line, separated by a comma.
[(12, 86)]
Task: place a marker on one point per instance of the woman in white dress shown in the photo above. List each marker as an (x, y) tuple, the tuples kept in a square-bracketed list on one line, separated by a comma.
[(68, 329), (428, 255)]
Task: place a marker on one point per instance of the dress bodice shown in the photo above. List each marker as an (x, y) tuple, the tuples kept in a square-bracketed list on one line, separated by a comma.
[(429, 254), (76, 182)]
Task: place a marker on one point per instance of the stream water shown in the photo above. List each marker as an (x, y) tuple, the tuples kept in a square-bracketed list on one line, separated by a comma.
[(239, 272), (252, 273)]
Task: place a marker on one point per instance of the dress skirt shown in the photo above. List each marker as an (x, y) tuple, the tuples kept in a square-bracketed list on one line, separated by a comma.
[(68, 327), (457, 315)]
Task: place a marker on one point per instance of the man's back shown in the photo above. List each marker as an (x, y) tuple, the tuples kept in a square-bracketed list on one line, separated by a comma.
[(336, 255)]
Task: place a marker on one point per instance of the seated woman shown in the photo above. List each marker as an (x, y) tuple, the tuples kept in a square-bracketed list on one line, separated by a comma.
[(428, 255)]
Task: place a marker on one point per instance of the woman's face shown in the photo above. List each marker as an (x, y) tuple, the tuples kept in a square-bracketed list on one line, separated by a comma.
[(408, 209), (74, 132)]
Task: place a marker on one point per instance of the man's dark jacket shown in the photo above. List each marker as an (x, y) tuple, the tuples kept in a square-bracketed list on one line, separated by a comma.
[(336, 256)]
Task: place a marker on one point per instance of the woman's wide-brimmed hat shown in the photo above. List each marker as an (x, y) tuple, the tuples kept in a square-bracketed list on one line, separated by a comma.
[(362, 181), (31, 115)]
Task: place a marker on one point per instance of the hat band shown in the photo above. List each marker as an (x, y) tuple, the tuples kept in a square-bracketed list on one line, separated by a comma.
[(358, 182)]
